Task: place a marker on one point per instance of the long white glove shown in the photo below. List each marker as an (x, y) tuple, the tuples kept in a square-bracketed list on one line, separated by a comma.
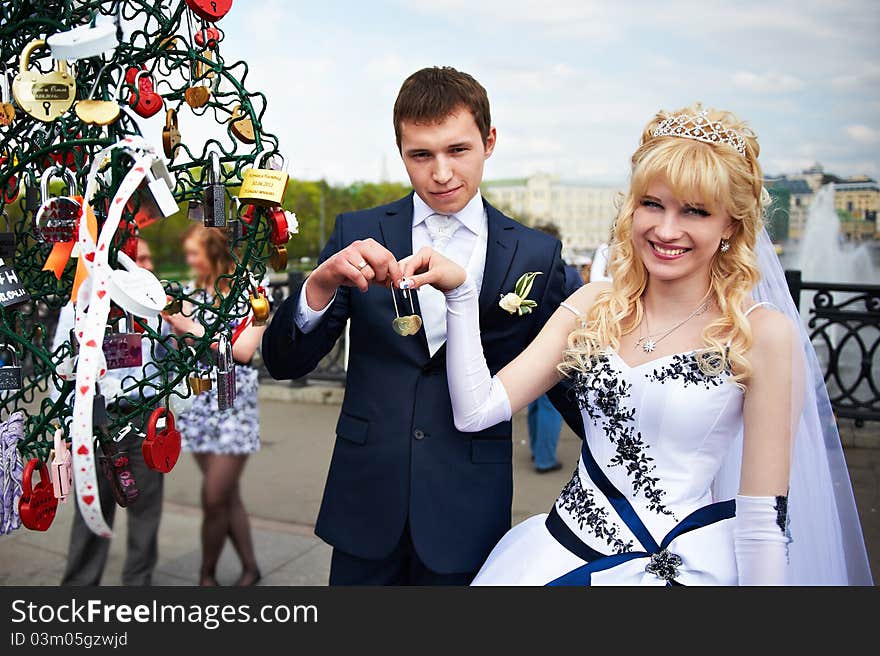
[(479, 400), (760, 540)]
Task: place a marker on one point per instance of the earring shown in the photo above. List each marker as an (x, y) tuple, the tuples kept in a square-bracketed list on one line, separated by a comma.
[(725, 245)]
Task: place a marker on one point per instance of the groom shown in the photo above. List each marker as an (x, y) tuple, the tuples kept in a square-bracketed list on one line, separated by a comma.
[(410, 500)]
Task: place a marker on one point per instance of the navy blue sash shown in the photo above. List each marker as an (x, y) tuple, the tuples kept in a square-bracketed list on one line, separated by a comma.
[(596, 561)]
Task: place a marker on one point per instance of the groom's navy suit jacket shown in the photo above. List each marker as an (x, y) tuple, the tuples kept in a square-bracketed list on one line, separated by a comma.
[(398, 456)]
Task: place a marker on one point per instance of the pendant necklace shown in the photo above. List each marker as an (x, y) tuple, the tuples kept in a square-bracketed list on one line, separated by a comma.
[(649, 342)]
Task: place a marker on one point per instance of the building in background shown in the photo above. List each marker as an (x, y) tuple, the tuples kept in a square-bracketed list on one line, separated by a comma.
[(583, 213), (857, 201), (791, 202)]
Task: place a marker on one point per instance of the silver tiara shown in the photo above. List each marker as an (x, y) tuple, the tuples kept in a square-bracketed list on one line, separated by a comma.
[(700, 128)]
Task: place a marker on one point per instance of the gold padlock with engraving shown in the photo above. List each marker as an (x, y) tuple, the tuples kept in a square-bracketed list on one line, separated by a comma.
[(263, 187), (43, 96)]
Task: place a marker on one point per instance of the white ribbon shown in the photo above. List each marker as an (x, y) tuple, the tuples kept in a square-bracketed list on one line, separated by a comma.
[(92, 310)]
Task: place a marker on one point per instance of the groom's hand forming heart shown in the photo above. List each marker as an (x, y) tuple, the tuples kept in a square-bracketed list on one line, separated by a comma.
[(359, 264), (428, 267)]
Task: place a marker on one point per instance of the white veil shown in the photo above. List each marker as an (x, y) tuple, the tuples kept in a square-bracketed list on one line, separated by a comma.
[(827, 547)]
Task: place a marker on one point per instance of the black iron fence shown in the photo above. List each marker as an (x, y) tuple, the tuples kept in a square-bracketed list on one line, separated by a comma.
[(843, 321)]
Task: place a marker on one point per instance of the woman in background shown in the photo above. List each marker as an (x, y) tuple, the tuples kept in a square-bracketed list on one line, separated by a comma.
[(221, 441)]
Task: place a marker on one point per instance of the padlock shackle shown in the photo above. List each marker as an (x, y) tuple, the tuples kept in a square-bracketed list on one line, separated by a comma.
[(9, 348), (171, 118), (224, 353), (27, 486), (63, 172), (265, 153), (25, 59)]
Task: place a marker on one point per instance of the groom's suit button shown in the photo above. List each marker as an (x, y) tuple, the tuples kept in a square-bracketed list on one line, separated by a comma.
[(419, 435)]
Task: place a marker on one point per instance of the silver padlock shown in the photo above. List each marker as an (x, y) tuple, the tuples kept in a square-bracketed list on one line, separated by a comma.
[(124, 348), (60, 214), (215, 195), (10, 370), (225, 374)]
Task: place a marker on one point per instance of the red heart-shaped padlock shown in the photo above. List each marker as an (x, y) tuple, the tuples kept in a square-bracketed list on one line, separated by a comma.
[(278, 231), (145, 102), (37, 505), (207, 37), (161, 449), (210, 10)]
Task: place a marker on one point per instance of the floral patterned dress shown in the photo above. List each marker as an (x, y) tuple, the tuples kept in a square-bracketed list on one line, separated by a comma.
[(204, 428)]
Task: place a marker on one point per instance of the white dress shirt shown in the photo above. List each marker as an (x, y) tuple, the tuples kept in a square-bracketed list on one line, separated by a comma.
[(466, 247)]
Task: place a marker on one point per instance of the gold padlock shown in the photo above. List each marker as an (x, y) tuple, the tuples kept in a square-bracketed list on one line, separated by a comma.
[(263, 187), (170, 135), (43, 96), (242, 126), (260, 307), (278, 258), (7, 109)]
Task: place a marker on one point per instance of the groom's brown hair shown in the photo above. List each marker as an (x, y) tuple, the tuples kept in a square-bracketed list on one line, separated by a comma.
[(432, 94)]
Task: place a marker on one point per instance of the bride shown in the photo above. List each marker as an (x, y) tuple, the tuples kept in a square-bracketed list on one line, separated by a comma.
[(710, 454)]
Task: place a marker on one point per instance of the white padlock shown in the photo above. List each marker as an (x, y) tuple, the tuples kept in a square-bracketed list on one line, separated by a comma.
[(161, 186), (83, 41), (136, 290)]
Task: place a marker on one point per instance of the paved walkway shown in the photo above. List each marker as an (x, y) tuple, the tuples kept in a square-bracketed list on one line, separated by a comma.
[(282, 486)]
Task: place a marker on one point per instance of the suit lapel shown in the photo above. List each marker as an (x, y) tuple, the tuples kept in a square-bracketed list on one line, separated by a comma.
[(500, 249), (396, 230)]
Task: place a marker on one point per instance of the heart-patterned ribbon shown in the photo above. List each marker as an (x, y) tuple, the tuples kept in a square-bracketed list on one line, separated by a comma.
[(92, 310)]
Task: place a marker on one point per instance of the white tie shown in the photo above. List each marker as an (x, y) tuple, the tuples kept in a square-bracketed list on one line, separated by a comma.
[(441, 228)]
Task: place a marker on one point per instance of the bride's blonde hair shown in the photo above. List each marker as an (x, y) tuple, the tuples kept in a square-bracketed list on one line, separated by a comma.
[(717, 176)]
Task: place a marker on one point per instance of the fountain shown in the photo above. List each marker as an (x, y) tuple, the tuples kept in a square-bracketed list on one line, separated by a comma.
[(823, 254)]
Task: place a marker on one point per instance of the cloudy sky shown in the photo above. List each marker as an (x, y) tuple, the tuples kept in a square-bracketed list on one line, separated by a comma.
[(571, 82)]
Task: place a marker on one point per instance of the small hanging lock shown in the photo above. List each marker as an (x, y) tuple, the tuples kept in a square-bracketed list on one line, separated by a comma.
[(200, 378), (409, 324), (161, 448), (43, 96), (170, 135), (259, 305), (226, 390), (198, 93), (37, 505), (116, 467), (215, 194), (97, 112), (278, 258), (241, 126), (123, 348), (62, 472), (10, 369), (7, 109), (262, 186), (60, 214), (7, 238), (143, 99), (174, 295), (209, 10), (207, 37)]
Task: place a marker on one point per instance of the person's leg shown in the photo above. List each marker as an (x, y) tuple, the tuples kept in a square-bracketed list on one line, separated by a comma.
[(87, 553), (240, 535), (221, 473), (144, 516), (421, 575), (549, 424)]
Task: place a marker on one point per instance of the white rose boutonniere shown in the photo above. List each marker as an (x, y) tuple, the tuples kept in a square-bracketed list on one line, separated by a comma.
[(517, 301)]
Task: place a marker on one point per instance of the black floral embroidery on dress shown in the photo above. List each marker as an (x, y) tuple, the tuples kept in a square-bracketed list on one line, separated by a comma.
[(685, 367), (579, 503), (781, 509), (602, 395)]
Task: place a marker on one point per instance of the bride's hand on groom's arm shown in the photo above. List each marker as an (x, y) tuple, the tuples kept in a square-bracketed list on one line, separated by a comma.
[(359, 264), (428, 267)]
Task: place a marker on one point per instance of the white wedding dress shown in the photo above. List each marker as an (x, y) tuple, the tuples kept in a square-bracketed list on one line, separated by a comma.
[(639, 508)]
